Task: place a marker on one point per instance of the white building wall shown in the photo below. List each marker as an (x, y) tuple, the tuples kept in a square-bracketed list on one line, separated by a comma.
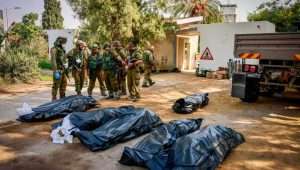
[(219, 38), (67, 33), (193, 50)]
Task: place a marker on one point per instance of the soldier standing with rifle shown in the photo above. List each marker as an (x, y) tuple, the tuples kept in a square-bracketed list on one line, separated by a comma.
[(135, 65), (119, 52), (149, 62), (59, 68), (77, 58), (95, 71)]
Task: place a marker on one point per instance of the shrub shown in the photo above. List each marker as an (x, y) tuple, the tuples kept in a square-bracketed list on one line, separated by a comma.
[(45, 64), (18, 64)]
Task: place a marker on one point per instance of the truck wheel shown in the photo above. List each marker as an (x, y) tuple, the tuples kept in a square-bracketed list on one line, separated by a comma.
[(250, 100)]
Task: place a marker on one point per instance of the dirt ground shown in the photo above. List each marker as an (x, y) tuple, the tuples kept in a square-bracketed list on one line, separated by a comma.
[(271, 128)]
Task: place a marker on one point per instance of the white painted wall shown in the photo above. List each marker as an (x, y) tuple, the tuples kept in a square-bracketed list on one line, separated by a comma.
[(219, 38), (68, 33), (193, 51)]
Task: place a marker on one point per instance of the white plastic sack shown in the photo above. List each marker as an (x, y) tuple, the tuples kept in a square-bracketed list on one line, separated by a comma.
[(62, 133), (24, 110)]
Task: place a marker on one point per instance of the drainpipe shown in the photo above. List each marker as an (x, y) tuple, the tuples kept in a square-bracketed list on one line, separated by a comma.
[(175, 52)]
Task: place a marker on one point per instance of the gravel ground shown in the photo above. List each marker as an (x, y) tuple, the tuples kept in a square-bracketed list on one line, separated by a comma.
[(271, 127)]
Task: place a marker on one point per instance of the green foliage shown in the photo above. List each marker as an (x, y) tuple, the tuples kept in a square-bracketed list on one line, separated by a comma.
[(2, 37), (208, 9), (170, 27), (30, 18), (45, 64), (108, 20), (150, 25), (285, 15), (18, 64), (39, 47), (26, 45), (52, 18), (24, 31)]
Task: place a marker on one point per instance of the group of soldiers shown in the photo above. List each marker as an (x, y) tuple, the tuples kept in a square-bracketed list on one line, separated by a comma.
[(116, 68)]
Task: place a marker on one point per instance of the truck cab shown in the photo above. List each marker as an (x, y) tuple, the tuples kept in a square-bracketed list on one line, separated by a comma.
[(270, 64)]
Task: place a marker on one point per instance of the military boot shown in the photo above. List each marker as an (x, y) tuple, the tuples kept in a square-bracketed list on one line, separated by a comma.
[(54, 98), (116, 96), (145, 85), (62, 95), (110, 95), (152, 83), (103, 93)]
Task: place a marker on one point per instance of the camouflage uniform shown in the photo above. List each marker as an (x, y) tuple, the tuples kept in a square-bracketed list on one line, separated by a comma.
[(95, 72), (148, 59), (78, 62), (119, 52), (86, 77), (57, 61), (110, 66), (135, 65)]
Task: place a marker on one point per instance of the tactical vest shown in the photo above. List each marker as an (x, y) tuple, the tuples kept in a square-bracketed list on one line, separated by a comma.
[(136, 55), (95, 62), (147, 58), (77, 59), (109, 64), (60, 52)]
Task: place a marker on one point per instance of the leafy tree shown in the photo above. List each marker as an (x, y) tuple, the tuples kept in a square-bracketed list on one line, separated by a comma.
[(108, 20), (52, 18), (284, 14), (208, 9), (30, 19), (25, 30)]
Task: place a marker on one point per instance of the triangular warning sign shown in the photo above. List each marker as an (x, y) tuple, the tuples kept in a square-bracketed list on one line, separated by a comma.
[(207, 55)]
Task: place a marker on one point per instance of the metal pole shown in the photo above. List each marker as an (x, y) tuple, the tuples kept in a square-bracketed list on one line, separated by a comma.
[(6, 19)]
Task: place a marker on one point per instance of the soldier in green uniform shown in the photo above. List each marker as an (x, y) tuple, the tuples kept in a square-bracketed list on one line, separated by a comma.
[(86, 77), (59, 69), (135, 65), (148, 59), (119, 52), (110, 67), (95, 71), (77, 58)]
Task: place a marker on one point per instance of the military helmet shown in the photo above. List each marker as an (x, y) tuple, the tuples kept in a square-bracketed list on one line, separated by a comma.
[(61, 40), (94, 46), (106, 45), (84, 44), (80, 42), (131, 45), (117, 44)]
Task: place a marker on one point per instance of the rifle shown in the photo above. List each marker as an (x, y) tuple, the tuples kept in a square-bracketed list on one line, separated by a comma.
[(66, 72)]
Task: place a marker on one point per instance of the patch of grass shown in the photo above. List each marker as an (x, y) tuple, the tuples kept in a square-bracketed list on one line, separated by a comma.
[(45, 78)]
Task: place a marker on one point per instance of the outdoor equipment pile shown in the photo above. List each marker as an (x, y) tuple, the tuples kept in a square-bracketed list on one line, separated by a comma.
[(190, 103), (59, 108)]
